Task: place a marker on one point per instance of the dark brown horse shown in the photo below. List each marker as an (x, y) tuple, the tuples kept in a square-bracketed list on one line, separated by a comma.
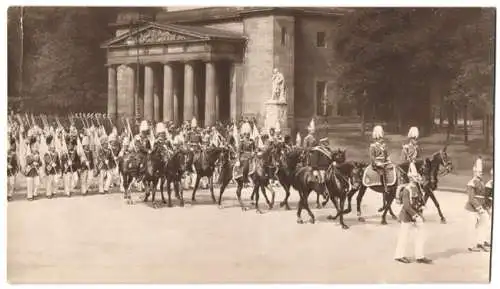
[(173, 172), (204, 165), (155, 167), (131, 169)]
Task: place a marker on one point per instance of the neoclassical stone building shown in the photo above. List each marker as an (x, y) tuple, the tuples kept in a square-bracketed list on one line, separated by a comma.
[(217, 63)]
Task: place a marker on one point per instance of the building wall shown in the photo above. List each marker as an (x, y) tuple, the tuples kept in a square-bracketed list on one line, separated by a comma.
[(313, 64), (257, 65), (232, 26)]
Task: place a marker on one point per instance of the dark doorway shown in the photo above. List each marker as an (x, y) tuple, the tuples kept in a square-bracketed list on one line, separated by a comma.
[(223, 83)]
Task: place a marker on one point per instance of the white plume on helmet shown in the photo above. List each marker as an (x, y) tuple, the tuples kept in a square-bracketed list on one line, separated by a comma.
[(160, 128), (312, 126), (298, 140), (378, 132), (477, 169), (413, 132), (194, 123), (144, 126), (245, 128)]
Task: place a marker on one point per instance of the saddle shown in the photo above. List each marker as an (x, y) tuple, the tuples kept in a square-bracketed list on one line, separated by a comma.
[(372, 176)]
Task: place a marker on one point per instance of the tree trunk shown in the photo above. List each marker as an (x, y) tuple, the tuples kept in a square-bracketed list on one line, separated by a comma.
[(466, 124), (451, 121)]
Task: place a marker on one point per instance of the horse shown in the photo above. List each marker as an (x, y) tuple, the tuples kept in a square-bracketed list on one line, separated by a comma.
[(155, 164), (288, 162), (305, 182), (262, 174), (342, 179), (226, 161), (204, 164), (173, 172), (131, 169)]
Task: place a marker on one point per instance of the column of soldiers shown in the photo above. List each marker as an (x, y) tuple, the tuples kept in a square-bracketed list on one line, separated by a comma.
[(62, 153)]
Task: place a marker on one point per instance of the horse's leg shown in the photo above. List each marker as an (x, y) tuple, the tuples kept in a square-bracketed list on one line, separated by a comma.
[(349, 199), (257, 195), (336, 205), (221, 191), (146, 195), (306, 206), (162, 182), (299, 208), (343, 198), (359, 198), (389, 198), (326, 199), (430, 193), (211, 184), (318, 205), (286, 187), (384, 203), (196, 184), (169, 192), (239, 182), (179, 192), (270, 204)]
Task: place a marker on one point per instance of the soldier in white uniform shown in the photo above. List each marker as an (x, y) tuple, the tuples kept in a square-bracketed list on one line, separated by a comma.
[(411, 218), (476, 207)]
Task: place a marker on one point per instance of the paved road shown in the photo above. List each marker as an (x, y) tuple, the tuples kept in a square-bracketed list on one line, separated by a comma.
[(101, 239)]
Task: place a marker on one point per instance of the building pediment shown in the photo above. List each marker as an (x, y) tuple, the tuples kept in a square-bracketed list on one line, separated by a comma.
[(154, 33)]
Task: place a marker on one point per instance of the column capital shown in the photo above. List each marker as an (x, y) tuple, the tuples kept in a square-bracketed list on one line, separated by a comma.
[(111, 65)]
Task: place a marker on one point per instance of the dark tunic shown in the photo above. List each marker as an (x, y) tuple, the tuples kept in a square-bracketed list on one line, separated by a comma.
[(33, 163), (51, 163)]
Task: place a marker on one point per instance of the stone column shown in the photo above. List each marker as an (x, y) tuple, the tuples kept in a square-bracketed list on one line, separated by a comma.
[(156, 96), (210, 94), (168, 92), (131, 71), (148, 92), (236, 91), (112, 92), (188, 91)]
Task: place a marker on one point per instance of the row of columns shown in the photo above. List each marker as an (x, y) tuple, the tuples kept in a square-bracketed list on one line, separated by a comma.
[(152, 99)]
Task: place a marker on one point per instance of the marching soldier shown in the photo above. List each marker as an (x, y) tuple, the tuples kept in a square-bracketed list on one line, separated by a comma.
[(52, 167), (115, 147), (321, 157), (33, 164), (87, 166), (71, 162), (476, 206), (12, 167), (411, 218), (106, 165), (310, 139), (379, 157)]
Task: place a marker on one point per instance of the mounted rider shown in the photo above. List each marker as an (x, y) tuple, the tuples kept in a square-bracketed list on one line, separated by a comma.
[(245, 153), (477, 207), (142, 146), (379, 156), (310, 140), (161, 146), (411, 151), (320, 159)]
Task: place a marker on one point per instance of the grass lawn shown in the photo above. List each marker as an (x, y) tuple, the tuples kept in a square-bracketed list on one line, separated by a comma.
[(461, 155)]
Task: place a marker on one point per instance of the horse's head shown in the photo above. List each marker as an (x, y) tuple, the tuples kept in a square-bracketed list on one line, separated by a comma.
[(357, 174), (441, 159), (339, 156)]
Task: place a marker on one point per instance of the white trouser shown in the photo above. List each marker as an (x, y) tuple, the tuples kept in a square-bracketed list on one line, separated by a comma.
[(30, 187), (104, 184), (412, 169), (480, 224), (36, 185), (85, 180), (68, 183), (404, 231), (11, 185), (50, 185)]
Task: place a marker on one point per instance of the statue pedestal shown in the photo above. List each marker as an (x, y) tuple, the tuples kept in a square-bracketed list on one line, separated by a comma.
[(276, 111)]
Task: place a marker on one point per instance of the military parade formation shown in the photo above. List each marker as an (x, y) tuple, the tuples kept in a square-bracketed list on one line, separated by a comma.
[(92, 152)]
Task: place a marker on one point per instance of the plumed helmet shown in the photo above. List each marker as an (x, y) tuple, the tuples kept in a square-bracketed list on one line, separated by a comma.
[(103, 139), (144, 126), (312, 126), (194, 123), (245, 128), (298, 140), (324, 141), (413, 132), (378, 132), (125, 142), (85, 141), (477, 169), (160, 128), (72, 130), (112, 137)]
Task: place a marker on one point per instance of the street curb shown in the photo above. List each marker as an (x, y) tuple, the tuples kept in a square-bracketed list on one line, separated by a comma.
[(451, 190)]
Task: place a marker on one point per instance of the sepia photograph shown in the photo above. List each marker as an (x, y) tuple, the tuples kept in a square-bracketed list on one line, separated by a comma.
[(249, 144)]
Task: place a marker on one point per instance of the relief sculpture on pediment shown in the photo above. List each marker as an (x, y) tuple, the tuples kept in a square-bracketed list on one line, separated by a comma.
[(158, 36)]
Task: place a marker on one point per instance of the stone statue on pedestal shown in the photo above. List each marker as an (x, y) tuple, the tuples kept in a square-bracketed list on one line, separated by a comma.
[(278, 93)]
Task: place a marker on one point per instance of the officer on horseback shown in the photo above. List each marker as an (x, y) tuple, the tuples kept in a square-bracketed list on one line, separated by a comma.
[(142, 146), (379, 156), (161, 146), (476, 206), (245, 151), (411, 151), (321, 158), (310, 139)]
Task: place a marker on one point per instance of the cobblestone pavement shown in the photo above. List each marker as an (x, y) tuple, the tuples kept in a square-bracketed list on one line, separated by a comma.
[(100, 239)]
